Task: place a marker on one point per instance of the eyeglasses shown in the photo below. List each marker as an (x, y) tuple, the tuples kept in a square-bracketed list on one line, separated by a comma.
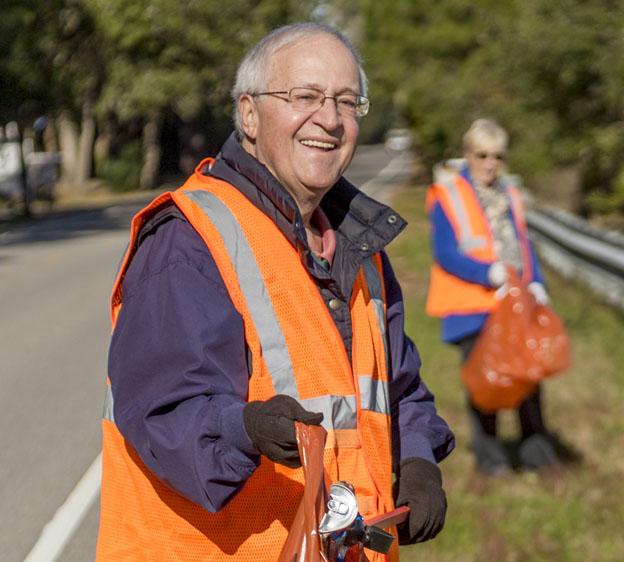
[(311, 99), (500, 156)]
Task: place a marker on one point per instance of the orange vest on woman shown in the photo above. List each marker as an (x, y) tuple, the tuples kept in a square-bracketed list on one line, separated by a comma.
[(296, 350), (449, 294)]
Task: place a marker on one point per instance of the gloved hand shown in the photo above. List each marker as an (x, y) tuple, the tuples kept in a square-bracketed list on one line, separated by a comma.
[(497, 274), (539, 292), (419, 486), (271, 427), (501, 291)]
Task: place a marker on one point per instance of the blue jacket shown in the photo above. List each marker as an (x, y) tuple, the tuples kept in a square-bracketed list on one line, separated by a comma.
[(178, 361), (447, 254)]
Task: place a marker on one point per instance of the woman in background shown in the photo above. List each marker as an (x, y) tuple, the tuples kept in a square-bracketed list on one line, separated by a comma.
[(478, 230)]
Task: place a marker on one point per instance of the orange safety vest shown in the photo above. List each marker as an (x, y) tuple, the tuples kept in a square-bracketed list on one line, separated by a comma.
[(449, 294), (297, 350)]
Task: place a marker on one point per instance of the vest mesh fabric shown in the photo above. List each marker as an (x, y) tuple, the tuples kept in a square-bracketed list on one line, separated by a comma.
[(449, 294), (143, 519)]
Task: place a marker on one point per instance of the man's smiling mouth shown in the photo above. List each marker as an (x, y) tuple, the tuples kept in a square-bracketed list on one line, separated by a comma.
[(318, 144)]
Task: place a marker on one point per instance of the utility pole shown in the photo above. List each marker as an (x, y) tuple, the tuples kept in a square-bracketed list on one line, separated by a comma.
[(23, 176)]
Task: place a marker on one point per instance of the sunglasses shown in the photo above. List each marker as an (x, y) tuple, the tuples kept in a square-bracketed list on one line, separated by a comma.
[(500, 156)]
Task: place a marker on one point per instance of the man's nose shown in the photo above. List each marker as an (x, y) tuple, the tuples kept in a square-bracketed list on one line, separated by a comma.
[(328, 114)]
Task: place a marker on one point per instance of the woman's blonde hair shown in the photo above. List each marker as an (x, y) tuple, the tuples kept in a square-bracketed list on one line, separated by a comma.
[(484, 131)]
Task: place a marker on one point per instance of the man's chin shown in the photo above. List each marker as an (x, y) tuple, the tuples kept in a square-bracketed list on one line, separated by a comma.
[(321, 186), (320, 180)]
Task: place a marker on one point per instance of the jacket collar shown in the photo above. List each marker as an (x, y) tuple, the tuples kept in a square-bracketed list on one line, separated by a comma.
[(361, 222)]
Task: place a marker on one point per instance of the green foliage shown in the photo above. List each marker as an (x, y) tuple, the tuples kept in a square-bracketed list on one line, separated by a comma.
[(52, 58), (122, 172), (15, 16), (606, 170), (132, 61), (550, 72), (181, 55)]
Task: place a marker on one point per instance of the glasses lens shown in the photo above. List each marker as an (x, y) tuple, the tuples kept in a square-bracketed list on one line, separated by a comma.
[(362, 106), (352, 105), (306, 99)]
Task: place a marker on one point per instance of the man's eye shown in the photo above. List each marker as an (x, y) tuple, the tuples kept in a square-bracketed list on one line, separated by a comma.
[(347, 102), (306, 97)]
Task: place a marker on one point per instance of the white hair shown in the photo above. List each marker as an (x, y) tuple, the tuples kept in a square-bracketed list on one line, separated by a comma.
[(252, 75), (484, 131)]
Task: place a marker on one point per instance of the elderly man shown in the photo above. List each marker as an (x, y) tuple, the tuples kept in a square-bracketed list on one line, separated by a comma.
[(256, 295)]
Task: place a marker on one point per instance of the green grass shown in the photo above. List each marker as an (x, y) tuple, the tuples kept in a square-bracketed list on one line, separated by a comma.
[(576, 515)]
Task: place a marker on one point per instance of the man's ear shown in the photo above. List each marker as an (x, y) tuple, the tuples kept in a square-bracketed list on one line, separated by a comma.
[(248, 113)]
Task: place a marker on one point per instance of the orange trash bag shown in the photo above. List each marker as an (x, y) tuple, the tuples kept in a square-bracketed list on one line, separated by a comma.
[(521, 343), (303, 543)]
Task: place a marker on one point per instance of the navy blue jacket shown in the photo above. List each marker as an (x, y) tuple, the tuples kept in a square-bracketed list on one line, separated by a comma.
[(178, 358)]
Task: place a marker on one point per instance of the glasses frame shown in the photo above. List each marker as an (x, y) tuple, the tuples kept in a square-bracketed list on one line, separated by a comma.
[(359, 100)]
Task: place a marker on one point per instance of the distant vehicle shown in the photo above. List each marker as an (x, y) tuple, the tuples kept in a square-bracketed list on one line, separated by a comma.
[(42, 174), (398, 139), (10, 170)]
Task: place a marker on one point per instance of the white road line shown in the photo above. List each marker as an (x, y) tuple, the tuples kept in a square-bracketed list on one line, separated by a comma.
[(67, 519), (374, 187)]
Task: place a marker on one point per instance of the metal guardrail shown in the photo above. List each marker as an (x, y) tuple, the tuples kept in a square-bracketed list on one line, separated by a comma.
[(577, 250)]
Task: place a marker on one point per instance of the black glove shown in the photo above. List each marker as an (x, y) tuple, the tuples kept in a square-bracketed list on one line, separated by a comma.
[(271, 427), (419, 486)]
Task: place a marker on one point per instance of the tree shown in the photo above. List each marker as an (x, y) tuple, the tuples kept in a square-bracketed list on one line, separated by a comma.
[(108, 67), (56, 65), (179, 56), (551, 72)]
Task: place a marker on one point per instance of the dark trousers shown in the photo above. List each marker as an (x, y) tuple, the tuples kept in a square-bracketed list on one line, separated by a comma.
[(529, 411)]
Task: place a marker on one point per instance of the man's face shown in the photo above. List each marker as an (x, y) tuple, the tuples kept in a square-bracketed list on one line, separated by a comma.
[(306, 151), (485, 160)]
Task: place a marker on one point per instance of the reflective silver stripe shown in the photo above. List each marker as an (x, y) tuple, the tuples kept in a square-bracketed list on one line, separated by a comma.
[(274, 349), (339, 412), (467, 240), (108, 405), (373, 282), (472, 243), (374, 394)]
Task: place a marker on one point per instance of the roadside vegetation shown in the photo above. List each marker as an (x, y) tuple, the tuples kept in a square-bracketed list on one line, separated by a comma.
[(570, 516), (135, 93), (550, 72)]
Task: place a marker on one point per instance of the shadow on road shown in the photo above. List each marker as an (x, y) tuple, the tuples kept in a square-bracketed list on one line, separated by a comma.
[(74, 222)]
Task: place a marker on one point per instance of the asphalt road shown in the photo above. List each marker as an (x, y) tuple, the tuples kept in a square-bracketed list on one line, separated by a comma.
[(55, 279)]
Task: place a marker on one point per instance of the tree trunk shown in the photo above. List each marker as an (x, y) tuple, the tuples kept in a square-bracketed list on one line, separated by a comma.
[(151, 153), (84, 165), (50, 143), (104, 143), (68, 139)]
